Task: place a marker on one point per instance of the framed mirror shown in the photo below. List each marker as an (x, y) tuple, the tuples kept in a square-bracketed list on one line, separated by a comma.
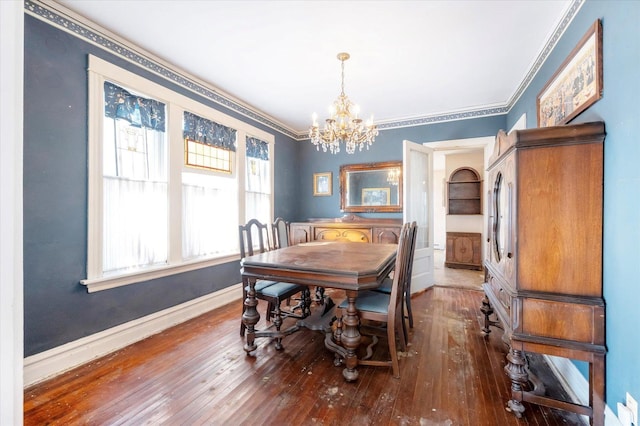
[(371, 187)]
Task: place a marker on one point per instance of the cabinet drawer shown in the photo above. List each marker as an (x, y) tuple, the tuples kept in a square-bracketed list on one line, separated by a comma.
[(502, 296), (356, 235), (386, 235), (563, 320)]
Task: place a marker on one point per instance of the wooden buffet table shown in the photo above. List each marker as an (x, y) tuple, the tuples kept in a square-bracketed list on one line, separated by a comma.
[(343, 265)]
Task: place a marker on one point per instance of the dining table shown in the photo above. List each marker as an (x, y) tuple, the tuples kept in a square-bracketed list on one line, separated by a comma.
[(349, 266)]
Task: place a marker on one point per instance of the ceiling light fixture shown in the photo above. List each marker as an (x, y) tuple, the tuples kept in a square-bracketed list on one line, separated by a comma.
[(343, 126)]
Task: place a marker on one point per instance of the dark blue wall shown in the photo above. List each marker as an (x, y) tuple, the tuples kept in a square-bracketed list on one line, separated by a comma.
[(620, 110), (57, 309)]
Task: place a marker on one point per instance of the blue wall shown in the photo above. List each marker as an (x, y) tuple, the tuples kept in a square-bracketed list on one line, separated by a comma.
[(57, 309), (619, 109)]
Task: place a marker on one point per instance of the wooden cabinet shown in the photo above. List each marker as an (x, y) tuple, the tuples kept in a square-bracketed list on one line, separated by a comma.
[(465, 192), (348, 228), (464, 250), (543, 260)]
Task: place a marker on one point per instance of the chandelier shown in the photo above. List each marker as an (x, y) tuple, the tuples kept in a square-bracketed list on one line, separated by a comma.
[(393, 176), (343, 126)]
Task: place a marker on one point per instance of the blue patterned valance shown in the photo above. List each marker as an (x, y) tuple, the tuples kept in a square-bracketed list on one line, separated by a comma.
[(257, 148), (140, 112), (209, 132)]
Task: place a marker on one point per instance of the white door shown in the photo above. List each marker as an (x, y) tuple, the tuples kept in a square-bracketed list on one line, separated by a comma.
[(418, 206)]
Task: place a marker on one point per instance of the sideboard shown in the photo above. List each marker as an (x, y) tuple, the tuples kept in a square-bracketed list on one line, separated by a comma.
[(347, 228)]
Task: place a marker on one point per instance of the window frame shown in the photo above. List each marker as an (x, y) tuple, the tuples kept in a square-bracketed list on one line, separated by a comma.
[(100, 70)]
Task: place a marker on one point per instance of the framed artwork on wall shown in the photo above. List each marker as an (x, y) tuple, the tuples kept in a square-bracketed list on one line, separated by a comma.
[(322, 184), (376, 196), (576, 85)]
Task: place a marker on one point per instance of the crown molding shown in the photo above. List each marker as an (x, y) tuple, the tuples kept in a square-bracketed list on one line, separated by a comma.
[(79, 26), (70, 22)]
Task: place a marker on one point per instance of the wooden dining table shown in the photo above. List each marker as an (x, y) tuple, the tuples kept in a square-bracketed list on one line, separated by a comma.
[(349, 266)]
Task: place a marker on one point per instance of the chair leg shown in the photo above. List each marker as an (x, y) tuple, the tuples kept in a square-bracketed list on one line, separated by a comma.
[(409, 312), (401, 335), (405, 332), (391, 336)]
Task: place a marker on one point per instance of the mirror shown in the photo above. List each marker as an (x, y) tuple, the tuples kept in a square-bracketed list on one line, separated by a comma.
[(371, 187)]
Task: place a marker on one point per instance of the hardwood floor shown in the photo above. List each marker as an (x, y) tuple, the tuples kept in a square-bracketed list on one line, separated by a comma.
[(197, 373)]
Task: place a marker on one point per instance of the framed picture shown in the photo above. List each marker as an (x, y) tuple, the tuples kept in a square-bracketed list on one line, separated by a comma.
[(576, 85), (376, 196), (322, 184)]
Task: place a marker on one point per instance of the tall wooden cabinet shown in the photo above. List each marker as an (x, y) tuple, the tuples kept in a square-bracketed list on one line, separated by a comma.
[(543, 260)]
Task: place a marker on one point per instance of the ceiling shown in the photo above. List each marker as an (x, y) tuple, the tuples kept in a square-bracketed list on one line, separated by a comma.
[(409, 59)]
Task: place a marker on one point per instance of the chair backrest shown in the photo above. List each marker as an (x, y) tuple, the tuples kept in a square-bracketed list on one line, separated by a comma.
[(399, 276), (280, 229), (254, 238), (413, 231)]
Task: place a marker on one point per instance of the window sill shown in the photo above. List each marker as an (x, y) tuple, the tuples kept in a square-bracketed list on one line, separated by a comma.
[(105, 283)]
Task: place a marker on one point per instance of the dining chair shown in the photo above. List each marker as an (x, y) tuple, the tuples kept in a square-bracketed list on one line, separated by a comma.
[(280, 232), (254, 239), (385, 309), (386, 285)]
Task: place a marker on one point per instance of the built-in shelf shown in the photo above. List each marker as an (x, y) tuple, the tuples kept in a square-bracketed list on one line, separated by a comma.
[(464, 192)]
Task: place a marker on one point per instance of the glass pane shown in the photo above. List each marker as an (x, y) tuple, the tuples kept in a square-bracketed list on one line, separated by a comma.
[(419, 193)]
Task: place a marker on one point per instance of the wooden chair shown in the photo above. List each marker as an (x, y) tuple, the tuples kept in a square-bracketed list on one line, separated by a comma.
[(254, 239), (280, 231), (385, 308), (386, 285)]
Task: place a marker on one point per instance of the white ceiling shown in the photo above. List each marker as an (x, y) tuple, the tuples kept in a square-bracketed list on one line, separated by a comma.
[(409, 59)]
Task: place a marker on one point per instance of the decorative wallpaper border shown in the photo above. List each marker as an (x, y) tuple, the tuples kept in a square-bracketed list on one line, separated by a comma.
[(47, 13)]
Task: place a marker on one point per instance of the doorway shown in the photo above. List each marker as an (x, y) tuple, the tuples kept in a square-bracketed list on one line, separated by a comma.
[(448, 157)]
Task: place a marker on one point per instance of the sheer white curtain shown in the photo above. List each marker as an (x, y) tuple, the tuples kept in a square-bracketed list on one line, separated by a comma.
[(209, 215), (258, 190), (135, 197)]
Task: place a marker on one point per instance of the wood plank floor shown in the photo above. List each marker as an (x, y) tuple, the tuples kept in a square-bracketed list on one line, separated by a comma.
[(197, 373)]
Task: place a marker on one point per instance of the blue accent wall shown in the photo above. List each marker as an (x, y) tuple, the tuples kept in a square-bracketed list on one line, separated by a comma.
[(619, 109), (58, 310)]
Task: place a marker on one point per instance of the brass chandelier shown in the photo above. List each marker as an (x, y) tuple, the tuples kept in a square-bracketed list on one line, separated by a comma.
[(343, 126)]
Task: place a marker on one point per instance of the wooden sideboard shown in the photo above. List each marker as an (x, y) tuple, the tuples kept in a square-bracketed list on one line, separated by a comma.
[(347, 228), (543, 261), (464, 250)]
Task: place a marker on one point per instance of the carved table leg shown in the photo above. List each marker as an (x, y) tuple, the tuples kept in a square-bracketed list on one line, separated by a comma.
[(306, 295), (350, 337), (250, 316), (516, 369), (277, 322), (487, 310)]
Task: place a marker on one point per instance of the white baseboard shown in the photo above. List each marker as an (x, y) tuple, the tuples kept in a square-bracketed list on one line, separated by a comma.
[(48, 364), (576, 385)]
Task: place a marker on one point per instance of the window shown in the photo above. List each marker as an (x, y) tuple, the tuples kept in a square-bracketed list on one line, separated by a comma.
[(258, 181), (209, 200), (170, 179), (201, 155), (134, 181)]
